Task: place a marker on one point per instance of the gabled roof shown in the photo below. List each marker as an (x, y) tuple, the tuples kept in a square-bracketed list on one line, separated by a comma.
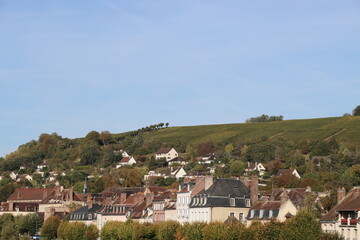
[(285, 171), (228, 188), (163, 150), (83, 213)]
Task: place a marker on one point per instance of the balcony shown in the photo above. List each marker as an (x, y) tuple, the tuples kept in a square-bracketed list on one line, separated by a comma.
[(349, 222)]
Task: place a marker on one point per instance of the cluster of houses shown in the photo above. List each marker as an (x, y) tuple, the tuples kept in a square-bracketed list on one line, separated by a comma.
[(197, 199)]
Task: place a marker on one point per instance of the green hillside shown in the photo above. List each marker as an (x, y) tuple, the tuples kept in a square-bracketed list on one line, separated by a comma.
[(344, 129)]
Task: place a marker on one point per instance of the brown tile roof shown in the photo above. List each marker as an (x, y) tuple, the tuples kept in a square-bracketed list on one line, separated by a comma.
[(163, 150), (22, 194), (351, 202), (125, 159)]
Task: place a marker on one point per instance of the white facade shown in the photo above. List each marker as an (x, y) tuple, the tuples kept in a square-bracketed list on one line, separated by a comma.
[(200, 214), (127, 163), (168, 155), (182, 206), (179, 173)]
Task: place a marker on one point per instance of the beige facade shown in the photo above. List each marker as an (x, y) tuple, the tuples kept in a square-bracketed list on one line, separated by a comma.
[(222, 213), (103, 219)]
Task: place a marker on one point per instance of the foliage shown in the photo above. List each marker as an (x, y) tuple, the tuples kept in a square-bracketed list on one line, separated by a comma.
[(50, 227), (264, 118), (356, 111), (77, 231), (167, 230), (215, 231), (192, 231), (29, 224), (303, 226)]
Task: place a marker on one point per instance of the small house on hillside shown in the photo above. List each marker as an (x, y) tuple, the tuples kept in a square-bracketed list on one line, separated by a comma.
[(179, 161), (166, 153), (290, 171), (207, 158), (255, 166), (126, 161)]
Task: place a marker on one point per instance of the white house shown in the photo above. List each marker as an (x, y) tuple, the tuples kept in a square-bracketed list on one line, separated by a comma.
[(13, 175), (179, 173), (288, 172), (187, 190), (178, 161), (41, 167), (255, 166), (166, 153), (23, 177), (152, 174), (126, 161), (207, 158)]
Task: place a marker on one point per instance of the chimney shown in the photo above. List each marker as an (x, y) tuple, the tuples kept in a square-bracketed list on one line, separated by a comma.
[(89, 201), (123, 197), (247, 182), (11, 205), (149, 198), (208, 182), (340, 194), (71, 195), (107, 201), (308, 189), (254, 189)]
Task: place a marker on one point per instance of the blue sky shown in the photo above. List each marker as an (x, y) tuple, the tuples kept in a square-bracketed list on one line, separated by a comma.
[(75, 66)]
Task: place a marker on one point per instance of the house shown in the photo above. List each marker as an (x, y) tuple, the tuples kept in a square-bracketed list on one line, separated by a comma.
[(290, 171), (178, 161), (298, 196), (166, 153), (152, 174), (41, 167), (207, 158), (188, 189), (13, 175), (178, 173), (266, 210), (126, 161), (23, 177), (160, 203), (224, 198), (344, 217), (86, 214), (255, 166), (214, 167)]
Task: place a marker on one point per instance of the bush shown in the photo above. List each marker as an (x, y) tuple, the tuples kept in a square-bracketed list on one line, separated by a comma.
[(215, 231), (167, 230), (144, 231), (192, 231)]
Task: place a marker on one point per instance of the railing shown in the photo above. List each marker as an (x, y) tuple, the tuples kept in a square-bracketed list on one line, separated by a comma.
[(353, 221), (346, 221)]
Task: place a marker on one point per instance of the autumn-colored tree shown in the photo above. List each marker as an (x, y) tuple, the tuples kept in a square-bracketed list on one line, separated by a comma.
[(215, 231), (167, 230), (191, 231)]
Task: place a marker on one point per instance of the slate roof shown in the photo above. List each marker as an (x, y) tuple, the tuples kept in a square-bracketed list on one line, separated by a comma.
[(266, 210), (220, 192), (163, 150), (351, 202), (178, 159), (84, 213)]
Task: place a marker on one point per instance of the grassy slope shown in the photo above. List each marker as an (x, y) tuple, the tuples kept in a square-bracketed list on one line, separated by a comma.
[(316, 129)]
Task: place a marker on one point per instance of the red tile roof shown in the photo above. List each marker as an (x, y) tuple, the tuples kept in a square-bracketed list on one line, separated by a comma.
[(125, 159), (163, 150)]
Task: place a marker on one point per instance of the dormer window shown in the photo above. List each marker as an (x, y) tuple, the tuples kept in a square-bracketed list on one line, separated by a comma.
[(232, 202), (247, 203), (90, 216)]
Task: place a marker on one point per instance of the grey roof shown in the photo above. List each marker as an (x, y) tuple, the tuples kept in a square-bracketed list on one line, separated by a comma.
[(84, 213), (220, 194), (228, 187)]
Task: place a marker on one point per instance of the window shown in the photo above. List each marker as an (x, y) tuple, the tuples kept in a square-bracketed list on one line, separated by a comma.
[(232, 214), (241, 216), (90, 216), (232, 202), (247, 203)]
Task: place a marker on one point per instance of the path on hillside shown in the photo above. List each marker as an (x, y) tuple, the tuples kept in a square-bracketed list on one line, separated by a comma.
[(277, 134), (328, 138)]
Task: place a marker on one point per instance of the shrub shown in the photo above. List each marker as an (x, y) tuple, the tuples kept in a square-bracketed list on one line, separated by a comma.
[(49, 228), (167, 230)]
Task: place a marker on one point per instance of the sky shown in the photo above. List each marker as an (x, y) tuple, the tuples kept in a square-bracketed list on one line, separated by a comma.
[(71, 67)]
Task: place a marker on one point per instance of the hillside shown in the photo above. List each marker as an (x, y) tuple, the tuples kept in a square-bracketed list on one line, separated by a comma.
[(341, 128)]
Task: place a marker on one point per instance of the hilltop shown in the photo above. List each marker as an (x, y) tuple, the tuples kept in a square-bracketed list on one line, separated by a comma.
[(343, 129)]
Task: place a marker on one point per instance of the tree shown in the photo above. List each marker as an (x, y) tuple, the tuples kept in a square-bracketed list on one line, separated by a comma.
[(9, 231), (29, 224), (105, 137), (49, 227), (356, 111), (303, 226), (192, 231), (215, 231), (237, 168)]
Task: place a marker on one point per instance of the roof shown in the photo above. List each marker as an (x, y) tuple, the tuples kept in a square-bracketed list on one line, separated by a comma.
[(85, 213), (220, 193), (285, 171), (251, 166), (178, 159), (265, 210), (351, 202), (268, 205), (164, 150), (231, 220), (125, 159), (23, 194)]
